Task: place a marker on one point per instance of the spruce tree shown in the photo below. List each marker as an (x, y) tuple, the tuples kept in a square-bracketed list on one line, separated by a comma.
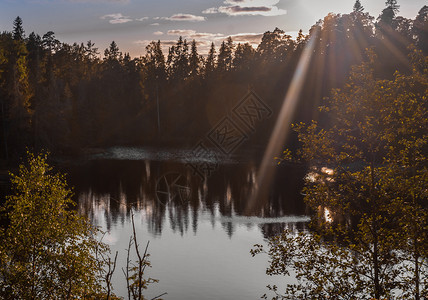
[(358, 7), (18, 30), (194, 60), (392, 4), (210, 62)]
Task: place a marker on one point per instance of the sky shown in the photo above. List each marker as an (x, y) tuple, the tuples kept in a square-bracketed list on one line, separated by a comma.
[(132, 24)]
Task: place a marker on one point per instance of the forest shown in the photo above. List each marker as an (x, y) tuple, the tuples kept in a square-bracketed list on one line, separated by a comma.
[(67, 98)]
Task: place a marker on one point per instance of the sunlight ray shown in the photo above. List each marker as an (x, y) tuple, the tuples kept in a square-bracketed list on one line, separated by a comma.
[(391, 45), (279, 134)]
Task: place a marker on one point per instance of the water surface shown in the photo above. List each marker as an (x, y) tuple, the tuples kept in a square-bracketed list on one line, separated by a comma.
[(199, 234)]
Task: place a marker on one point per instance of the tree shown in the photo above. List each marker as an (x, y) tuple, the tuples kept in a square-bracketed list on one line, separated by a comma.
[(194, 60), (420, 29), (392, 4), (324, 270), (244, 55), (154, 73), (225, 56), (273, 46), (15, 91), (178, 61), (48, 251), (50, 42), (368, 172), (18, 30), (388, 14), (210, 62), (358, 7), (112, 53), (91, 52), (300, 38)]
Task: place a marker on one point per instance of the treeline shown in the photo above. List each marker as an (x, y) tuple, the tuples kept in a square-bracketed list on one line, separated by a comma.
[(65, 97)]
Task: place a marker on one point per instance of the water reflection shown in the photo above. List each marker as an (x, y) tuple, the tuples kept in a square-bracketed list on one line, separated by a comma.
[(107, 190), (200, 235)]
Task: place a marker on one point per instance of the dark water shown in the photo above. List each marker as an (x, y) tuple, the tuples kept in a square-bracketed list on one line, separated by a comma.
[(199, 233)]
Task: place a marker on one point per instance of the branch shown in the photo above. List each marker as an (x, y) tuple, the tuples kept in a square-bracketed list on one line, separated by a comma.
[(159, 296)]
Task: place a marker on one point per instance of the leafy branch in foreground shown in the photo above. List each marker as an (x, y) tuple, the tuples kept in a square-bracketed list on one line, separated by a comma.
[(48, 251), (369, 172), (323, 270)]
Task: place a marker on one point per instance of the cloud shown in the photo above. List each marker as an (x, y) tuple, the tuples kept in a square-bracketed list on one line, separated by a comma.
[(185, 17), (244, 9), (158, 33), (205, 35), (117, 18), (192, 34), (142, 19), (165, 44), (252, 38), (181, 32), (155, 24), (120, 21), (212, 10), (248, 7), (142, 42), (252, 2), (101, 1)]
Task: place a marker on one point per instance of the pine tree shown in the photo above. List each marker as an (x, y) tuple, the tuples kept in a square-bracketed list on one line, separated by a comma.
[(221, 58), (386, 18), (392, 4), (244, 55), (230, 48), (91, 52), (358, 7), (50, 42), (178, 61), (300, 37), (18, 30), (194, 60), (420, 29), (112, 53), (210, 62), (154, 61), (183, 60), (154, 72), (225, 56)]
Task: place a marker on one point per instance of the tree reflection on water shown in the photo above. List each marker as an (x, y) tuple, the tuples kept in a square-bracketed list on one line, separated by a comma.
[(107, 189)]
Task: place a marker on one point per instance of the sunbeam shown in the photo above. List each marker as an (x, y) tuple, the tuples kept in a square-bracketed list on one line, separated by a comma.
[(279, 134)]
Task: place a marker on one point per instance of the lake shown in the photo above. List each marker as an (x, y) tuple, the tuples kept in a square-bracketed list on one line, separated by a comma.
[(199, 232)]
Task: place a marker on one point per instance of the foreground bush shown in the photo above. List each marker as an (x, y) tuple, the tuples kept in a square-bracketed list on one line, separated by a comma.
[(47, 250)]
